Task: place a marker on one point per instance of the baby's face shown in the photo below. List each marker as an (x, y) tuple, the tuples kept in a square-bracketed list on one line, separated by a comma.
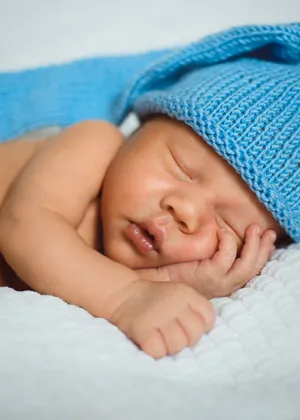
[(167, 193)]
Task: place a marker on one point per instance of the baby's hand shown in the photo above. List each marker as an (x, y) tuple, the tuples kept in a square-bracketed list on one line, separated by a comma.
[(162, 318), (225, 273)]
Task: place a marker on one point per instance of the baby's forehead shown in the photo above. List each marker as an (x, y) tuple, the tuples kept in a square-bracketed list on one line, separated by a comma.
[(164, 135), (176, 134)]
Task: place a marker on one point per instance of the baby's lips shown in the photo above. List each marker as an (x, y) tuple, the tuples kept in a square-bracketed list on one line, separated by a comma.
[(155, 231)]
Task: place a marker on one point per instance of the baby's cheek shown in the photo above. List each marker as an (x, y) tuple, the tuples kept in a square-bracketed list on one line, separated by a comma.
[(192, 249)]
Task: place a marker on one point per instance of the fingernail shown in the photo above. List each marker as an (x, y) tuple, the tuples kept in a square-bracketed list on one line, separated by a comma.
[(257, 230), (273, 236)]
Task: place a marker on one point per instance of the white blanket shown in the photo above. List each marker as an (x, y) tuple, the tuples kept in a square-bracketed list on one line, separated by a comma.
[(58, 362)]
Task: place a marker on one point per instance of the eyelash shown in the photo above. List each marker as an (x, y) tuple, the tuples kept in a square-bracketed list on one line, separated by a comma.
[(181, 168)]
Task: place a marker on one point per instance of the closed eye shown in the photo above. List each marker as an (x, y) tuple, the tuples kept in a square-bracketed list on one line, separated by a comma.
[(180, 167)]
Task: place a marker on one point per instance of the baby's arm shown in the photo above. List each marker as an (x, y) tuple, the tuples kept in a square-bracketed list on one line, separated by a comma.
[(46, 204), (39, 240)]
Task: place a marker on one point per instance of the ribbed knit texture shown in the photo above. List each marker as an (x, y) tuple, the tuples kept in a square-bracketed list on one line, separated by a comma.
[(240, 91)]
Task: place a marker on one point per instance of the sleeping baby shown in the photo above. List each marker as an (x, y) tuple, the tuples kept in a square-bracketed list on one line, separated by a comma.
[(144, 231)]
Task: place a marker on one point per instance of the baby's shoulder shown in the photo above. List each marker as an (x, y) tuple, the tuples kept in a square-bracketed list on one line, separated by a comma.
[(96, 133)]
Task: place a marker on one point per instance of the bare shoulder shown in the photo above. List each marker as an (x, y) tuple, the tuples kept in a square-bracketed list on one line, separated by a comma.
[(79, 157), (94, 130), (13, 157), (93, 139), (66, 173)]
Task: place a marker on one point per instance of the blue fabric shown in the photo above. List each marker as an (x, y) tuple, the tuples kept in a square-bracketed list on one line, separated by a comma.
[(61, 95), (240, 91)]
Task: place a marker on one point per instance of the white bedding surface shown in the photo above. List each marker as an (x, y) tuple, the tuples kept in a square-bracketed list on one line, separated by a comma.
[(58, 362)]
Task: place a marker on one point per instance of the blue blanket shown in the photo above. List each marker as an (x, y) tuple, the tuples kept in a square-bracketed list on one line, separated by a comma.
[(60, 95)]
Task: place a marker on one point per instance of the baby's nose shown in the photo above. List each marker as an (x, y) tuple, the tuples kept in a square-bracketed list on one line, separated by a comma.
[(191, 208), (192, 216)]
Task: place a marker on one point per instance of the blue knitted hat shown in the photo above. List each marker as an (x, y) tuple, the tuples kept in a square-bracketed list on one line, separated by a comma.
[(240, 91)]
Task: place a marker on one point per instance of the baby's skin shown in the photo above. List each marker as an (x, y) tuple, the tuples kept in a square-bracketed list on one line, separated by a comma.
[(175, 223)]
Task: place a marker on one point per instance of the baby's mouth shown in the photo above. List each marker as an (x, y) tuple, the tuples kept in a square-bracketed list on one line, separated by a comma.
[(140, 238)]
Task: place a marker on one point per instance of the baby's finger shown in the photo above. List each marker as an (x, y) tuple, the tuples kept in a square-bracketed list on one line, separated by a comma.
[(246, 266), (153, 344), (204, 311), (224, 258), (266, 248), (192, 325), (174, 336)]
